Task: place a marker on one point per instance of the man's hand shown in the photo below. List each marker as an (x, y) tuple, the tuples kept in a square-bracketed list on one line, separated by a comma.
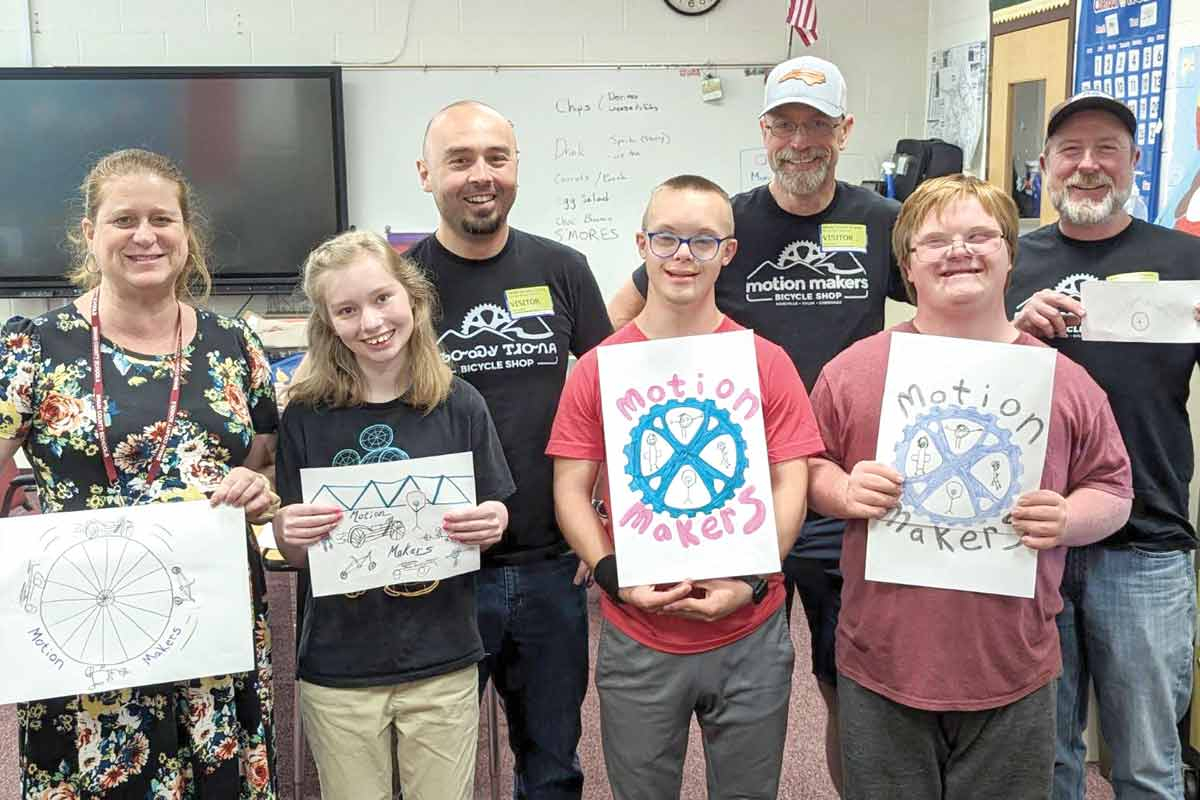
[(872, 489), (722, 597), (1048, 314), (583, 574), (652, 599), (1041, 519)]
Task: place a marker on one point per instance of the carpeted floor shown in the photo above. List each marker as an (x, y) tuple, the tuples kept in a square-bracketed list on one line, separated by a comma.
[(804, 774)]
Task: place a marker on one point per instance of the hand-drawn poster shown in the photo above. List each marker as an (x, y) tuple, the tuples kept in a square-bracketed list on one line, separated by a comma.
[(687, 459), (101, 600), (957, 79), (392, 528), (1140, 311), (965, 422)]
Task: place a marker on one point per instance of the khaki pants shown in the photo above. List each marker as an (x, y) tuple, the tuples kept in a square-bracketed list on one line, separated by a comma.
[(436, 722)]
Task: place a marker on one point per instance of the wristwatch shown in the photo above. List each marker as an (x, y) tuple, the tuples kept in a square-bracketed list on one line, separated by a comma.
[(758, 587)]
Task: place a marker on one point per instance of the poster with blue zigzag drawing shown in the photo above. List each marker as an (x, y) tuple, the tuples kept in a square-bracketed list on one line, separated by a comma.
[(689, 480), (391, 532), (965, 423)]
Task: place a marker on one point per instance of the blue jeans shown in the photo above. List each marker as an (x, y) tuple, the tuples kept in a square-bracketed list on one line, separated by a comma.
[(534, 624), (1127, 622)]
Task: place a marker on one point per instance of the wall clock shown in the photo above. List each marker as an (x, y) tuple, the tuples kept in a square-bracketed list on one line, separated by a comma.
[(692, 8)]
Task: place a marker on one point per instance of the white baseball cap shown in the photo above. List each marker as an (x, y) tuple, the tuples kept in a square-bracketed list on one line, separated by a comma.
[(809, 80)]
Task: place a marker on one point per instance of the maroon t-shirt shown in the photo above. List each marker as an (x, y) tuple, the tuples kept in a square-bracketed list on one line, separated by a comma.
[(940, 649), (791, 432)]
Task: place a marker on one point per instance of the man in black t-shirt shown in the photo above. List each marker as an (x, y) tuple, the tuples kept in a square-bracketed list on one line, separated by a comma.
[(514, 308), (1129, 601), (813, 268)]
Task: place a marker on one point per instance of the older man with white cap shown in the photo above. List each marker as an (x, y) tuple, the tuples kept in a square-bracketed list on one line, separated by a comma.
[(813, 268), (1129, 602)]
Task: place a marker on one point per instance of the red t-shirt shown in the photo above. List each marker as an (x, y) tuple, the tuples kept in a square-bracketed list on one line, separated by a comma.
[(791, 432), (940, 649)]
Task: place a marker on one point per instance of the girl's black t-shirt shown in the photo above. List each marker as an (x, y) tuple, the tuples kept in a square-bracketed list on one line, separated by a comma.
[(381, 637)]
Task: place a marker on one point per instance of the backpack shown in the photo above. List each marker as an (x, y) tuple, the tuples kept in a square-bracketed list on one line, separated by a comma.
[(918, 159)]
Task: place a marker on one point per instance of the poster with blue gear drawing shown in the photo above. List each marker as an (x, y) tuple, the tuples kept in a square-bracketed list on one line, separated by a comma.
[(688, 475), (391, 529), (94, 601), (965, 422)]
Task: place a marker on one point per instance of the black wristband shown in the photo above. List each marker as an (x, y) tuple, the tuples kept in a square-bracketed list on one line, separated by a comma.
[(605, 575)]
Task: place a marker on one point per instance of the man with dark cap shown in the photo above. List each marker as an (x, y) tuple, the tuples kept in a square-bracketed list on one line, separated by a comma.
[(1129, 601)]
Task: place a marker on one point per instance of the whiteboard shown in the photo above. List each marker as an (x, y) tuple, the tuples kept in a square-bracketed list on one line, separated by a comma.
[(592, 144)]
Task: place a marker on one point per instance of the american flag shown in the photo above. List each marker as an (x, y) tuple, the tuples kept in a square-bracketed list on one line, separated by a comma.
[(802, 15)]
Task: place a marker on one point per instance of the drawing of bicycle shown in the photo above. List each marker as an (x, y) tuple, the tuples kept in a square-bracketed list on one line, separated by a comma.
[(93, 528), (355, 564), (34, 580), (359, 535)]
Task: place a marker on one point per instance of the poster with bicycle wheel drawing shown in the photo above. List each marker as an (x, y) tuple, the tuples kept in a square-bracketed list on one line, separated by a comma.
[(391, 531), (965, 422), (687, 460), (100, 600)]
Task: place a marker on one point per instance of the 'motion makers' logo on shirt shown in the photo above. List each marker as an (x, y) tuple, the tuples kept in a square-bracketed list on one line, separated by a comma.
[(807, 274), (513, 336)]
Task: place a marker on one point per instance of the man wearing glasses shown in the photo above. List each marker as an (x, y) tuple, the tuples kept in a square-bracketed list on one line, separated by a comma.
[(811, 274), (945, 693), (718, 649)]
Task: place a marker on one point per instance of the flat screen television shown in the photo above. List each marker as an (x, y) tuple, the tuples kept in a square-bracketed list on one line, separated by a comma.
[(263, 147)]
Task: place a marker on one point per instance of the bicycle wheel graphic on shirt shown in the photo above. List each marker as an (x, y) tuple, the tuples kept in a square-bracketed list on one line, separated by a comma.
[(107, 600), (686, 457)]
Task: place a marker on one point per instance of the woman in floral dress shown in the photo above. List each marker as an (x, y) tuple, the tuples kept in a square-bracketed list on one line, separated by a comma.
[(140, 260)]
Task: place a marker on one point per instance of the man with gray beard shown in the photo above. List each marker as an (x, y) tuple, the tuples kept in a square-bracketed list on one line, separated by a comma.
[(1129, 600), (813, 268)]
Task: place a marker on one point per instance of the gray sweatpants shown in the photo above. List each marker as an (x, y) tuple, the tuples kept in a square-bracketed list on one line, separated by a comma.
[(739, 694), (892, 751)]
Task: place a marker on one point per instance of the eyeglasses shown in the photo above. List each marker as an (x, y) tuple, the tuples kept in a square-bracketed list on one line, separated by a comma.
[(702, 247), (813, 129), (979, 243)]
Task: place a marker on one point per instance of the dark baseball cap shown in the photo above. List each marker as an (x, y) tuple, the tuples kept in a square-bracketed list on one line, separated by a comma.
[(1089, 101)]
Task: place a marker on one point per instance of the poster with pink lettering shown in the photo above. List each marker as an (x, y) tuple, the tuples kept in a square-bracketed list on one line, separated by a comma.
[(687, 459), (93, 601)]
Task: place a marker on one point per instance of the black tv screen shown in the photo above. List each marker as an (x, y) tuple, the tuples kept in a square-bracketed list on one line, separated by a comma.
[(263, 147)]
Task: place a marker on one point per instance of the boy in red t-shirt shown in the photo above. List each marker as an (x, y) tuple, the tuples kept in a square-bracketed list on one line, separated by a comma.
[(718, 648), (941, 693)]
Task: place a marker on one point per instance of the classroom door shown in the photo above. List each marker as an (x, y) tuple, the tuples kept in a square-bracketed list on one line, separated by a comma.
[(1029, 77)]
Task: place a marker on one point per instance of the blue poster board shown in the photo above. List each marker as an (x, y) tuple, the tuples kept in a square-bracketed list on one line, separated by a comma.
[(1121, 49)]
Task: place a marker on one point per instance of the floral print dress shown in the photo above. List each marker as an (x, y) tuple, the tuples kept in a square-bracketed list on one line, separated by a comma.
[(206, 738)]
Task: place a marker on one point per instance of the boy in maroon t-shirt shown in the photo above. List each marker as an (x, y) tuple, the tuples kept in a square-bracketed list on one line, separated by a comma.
[(941, 693), (718, 648)]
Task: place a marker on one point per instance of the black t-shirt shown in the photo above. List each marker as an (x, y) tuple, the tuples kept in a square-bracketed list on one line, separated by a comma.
[(508, 326), (814, 285), (1147, 384), (376, 638)]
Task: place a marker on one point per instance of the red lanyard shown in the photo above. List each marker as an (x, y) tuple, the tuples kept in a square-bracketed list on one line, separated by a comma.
[(110, 466)]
